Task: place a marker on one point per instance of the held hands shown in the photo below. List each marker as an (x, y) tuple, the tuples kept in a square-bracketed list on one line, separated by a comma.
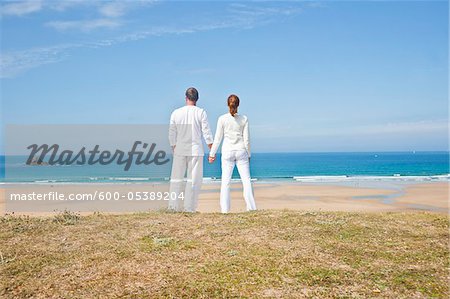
[(210, 158)]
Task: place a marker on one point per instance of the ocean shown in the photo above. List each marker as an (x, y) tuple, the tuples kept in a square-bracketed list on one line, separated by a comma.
[(264, 167)]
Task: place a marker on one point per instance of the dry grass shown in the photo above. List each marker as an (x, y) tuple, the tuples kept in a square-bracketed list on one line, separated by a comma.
[(283, 254)]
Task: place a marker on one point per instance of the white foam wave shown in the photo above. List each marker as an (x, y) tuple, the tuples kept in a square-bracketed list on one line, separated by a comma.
[(128, 179), (395, 177), (217, 179)]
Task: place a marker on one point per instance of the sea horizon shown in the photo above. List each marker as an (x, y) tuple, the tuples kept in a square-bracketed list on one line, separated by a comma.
[(265, 166)]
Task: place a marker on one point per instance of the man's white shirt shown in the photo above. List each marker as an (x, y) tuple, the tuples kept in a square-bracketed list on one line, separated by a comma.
[(188, 125)]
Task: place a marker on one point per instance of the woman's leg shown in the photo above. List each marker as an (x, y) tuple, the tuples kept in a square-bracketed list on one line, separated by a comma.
[(243, 167), (228, 162)]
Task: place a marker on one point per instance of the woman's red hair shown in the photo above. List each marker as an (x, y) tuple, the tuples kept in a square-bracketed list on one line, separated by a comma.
[(233, 104)]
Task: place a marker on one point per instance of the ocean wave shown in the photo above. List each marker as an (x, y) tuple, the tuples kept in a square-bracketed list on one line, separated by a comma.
[(218, 179), (211, 180), (128, 179), (395, 177)]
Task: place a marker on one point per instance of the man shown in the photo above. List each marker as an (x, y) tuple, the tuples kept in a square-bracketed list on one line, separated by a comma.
[(188, 125)]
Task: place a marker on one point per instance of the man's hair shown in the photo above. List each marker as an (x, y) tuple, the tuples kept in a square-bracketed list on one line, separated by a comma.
[(192, 94)]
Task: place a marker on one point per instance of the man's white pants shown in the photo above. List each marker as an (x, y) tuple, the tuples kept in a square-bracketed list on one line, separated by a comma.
[(240, 159), (188, 188)]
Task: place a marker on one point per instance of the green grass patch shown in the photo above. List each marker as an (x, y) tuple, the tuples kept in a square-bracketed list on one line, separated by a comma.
[(284, 254)]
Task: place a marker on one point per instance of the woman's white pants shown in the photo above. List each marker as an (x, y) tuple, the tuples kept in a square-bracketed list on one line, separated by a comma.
[(240, 159)]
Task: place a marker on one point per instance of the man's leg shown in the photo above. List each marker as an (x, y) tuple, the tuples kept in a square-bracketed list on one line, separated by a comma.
[(177, 182), (243, 167), (194, 183), (228, 162)]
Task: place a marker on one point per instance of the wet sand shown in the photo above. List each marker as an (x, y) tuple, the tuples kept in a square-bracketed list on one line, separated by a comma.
[(432, 196)]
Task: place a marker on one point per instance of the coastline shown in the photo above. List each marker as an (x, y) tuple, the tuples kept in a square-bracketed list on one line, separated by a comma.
[(347, 196)]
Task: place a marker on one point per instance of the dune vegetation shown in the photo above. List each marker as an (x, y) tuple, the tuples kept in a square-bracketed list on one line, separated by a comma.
[(284, 254)]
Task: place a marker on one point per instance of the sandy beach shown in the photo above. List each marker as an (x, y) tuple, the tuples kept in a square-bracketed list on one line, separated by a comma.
[(429, 196), (298, 196)]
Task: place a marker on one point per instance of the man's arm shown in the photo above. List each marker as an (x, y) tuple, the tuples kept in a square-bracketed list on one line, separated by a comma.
[(172, 132), (206, 130)]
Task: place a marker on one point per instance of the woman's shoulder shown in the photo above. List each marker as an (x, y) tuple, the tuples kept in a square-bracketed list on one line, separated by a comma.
[(229, 117), (224, 116), (243, 117)]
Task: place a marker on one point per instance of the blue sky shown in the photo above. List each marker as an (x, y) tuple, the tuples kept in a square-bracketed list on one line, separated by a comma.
[(312, 76)]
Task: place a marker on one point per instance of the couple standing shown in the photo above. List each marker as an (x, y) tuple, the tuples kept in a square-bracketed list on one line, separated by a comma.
[(188, 125)]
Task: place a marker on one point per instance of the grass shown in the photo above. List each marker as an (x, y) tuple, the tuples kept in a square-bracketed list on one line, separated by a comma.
[(272, 254)]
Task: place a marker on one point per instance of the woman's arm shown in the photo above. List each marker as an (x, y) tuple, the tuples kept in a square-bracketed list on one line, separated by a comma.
[(247, 138), (217, 138)]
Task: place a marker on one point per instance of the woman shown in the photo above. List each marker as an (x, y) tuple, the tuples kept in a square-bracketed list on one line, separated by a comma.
[(233, 128)]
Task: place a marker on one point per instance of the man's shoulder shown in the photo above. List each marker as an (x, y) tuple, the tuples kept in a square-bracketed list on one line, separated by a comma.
[(197, 112), (175, 111), (201, 110), (178, 109), (184, 108)]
